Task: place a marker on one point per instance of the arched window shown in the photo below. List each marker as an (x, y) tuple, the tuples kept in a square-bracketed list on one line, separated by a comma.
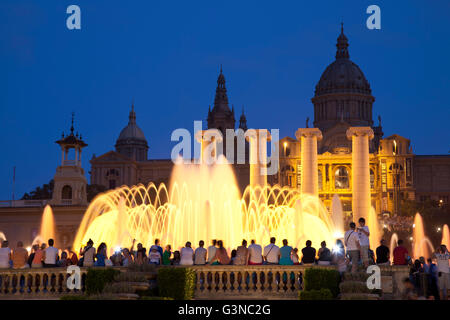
[(372, 179), (319, 174), (341, 178), (66, 193)]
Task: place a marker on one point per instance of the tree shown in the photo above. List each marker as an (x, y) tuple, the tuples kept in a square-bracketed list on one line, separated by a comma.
[(94, 189), (41, 193)]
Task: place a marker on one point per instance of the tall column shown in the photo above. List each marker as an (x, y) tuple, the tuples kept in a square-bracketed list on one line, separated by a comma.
[(258, 139), (309, 138), (360, 171)]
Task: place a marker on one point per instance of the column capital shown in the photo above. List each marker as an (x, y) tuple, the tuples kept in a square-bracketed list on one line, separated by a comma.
[(359, 132), (308, 133), (256, 133)]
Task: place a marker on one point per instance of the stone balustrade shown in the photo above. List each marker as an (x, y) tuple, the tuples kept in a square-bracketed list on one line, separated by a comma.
[(251, 282), (212, 281)]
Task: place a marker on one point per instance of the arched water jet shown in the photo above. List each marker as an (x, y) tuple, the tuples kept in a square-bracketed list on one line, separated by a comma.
[(445, 236), (392, 245), (47, 230), (337, 216), (419, 238)]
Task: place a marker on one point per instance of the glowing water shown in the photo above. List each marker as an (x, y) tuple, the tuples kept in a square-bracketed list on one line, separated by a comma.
[(337, 216), (204, 203), (422, 246), (47, 230), (374, 228), (2, 236), (393, 244), (446, 236)]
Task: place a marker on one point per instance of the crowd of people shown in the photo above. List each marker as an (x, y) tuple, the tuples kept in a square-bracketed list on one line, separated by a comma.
[(398, 223), (350, 253)]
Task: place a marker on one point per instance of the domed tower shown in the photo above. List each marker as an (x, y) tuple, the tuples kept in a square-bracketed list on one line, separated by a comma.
[(342, 98), (221, 117), (131, 141)]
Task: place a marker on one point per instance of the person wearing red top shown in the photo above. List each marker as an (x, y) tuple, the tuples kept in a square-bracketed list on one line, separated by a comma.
[(400, 254)]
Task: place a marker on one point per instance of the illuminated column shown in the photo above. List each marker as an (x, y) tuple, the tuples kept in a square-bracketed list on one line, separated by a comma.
[(360, 171), (258, 156), (309, 138), (208, 140)]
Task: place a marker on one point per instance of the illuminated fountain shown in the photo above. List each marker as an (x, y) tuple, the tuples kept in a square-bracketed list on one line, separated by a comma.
[(337, 216), (393, 245), (422, 246), (446, 236), (203, 203), (2, 236), (47, 230)]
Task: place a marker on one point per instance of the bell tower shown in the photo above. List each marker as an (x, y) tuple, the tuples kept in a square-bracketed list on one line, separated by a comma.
[(70, 182)]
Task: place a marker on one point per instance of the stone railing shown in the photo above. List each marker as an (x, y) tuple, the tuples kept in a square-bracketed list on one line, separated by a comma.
[(251, 282), (38, 283)]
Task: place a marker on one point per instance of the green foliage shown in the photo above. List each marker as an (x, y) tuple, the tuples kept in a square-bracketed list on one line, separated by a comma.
[(354, 287), (176, 283), (131, 276), (92, 190), (40, 193), (317, 278), (357, 276), (118, 287), (96, 279), (322, 294)]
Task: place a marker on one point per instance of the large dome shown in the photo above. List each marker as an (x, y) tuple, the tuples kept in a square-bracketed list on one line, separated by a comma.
[(343, 75), (131, 131)]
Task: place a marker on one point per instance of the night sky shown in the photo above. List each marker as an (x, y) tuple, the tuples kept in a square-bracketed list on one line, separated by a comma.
[(166, 55)]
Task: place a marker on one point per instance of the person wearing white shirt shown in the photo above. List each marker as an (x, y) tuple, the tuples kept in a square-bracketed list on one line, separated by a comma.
[(187, 255), (272, 252), (442, 256), (254, 254), (5, 255), (51, 255), (351, 241), (212, 250), (363, 234), (200, 254)]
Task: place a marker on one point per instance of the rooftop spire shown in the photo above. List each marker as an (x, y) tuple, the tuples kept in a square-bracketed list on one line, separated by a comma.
[(342, 45), (71, 127), (132, 116), (243, 121)]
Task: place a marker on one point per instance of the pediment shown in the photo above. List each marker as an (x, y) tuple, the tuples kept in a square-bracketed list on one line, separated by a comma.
[(111, 156)]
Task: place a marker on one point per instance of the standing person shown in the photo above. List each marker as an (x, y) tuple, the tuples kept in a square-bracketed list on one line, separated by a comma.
[(400, 254), (38, 256), (285, 254), (442, 256), (20, 257), (324, 254), (242, 254), (338, 257), (434, 278), (212, 250), (88, 254), (154, 257), (5, 255), (187, 255), (271, 252), (363, 234), (382, 254), (101, 255), (221, 256), (308, 253), (254, 254), (200, 254), (166, 255), (351, 241), (158, 247), (50, 255)]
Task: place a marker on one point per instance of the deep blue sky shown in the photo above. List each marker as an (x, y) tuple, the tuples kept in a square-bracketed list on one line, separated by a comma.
[(165, 55)]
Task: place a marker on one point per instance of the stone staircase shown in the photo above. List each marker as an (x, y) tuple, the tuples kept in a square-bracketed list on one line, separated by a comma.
[(353, 287)]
